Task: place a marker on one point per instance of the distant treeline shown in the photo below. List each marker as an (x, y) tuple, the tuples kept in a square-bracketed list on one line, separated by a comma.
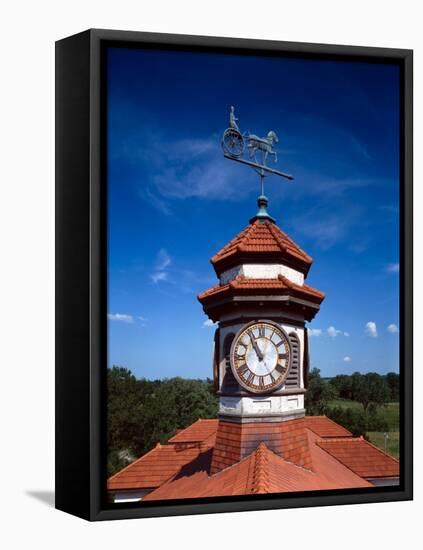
[(365, 388), (371, 390), (141, 413)]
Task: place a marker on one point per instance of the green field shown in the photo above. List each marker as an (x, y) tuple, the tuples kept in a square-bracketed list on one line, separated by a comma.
[(390, 411)]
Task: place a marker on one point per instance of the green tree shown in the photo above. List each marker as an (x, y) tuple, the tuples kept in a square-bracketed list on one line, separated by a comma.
[(319, 393), (358, 421), (370, 388), (342, 384), (353, 420), (393, 381), (124, 408), (175, 404)]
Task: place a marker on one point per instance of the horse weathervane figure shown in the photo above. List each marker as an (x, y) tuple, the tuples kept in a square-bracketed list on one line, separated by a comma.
[(233, 144)]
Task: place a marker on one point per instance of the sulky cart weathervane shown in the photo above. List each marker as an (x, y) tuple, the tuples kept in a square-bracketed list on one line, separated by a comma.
[(235, 144)]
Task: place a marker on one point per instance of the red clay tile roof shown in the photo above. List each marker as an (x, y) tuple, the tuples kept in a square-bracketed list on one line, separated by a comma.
[(217, 458), (202, 431), (325, 427), (154, 468), (242, 285), (326, 465), (261, 472), (361, 457), (261, 241), (235, 441)]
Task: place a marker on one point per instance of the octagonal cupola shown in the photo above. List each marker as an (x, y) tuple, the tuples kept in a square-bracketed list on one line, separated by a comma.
[(261, 305)]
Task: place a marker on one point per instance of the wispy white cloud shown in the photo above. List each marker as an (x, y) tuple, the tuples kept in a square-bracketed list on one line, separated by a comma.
[(340, 186), (333, 332), (156, 201), (347, 359), (371, 329), (123, 317), (330, 331), (209, 323), (163, 262), (392, 328), (326, 227), (159, 276), (190, 168), (393, 268)]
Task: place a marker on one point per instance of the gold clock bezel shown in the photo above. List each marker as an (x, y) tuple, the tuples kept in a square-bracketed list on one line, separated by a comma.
[(270, 388)]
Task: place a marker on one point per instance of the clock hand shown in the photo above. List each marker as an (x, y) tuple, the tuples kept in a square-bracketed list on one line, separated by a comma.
[(256, 348)]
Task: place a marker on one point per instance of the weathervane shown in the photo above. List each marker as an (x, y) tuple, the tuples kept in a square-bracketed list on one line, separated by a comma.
[(233, 144)]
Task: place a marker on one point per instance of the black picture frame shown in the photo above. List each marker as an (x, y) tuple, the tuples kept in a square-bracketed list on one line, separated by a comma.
[(81, 320)]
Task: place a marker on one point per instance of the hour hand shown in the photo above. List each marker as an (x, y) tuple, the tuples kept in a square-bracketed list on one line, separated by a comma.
[(256, 348)]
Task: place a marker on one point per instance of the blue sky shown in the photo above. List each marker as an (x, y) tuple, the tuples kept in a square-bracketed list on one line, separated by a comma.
[(174, 200)]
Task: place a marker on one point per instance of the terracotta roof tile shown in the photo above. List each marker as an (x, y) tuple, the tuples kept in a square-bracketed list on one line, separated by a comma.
[(153, 468), (261, 472), (361, 457), (261, 240), (242, 285), (325, 427), (212, 458), (202, 431)]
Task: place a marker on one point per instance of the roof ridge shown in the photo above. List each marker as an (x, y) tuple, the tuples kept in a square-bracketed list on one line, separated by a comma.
[(275, 234), (246, 235), (260, 474), (234, 465), (340, 438), (286, 281), (275, 230), (286, 461), (261, 239), (232, 242)]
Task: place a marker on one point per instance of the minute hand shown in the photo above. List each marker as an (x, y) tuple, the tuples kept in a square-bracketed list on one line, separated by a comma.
[(256, 348)]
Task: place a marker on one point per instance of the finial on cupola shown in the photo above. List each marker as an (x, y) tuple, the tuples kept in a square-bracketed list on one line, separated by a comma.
[(262, 213), (234, 144)]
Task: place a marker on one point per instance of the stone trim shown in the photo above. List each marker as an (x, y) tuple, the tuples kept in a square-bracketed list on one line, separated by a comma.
[(249, 418)]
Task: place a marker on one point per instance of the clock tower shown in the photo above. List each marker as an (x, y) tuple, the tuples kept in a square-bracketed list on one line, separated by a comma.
[(260, 304)]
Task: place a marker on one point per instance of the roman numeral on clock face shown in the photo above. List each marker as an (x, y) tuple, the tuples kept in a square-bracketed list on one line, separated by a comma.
[(243, 370), (261, 332), (280, 369), (283, 355), (240, 355), (250, 378)]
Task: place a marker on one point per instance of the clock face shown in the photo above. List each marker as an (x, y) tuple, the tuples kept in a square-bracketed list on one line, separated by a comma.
[(260, 356)]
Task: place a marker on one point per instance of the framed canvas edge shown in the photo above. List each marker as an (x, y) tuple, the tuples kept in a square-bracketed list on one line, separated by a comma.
[(96, 384)]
